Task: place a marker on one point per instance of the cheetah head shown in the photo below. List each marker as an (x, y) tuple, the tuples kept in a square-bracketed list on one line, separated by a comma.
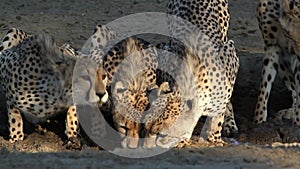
[(290, 22), (89, 82), (290, 7), (132, 95), (100, 84)]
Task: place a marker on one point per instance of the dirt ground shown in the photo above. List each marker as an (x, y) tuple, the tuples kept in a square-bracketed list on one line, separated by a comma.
[(74, 21)]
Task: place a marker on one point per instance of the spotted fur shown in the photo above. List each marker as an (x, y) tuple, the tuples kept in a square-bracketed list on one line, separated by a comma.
[(130, 69), (208, 21), (279, 22), (204, 84), (37, 78)]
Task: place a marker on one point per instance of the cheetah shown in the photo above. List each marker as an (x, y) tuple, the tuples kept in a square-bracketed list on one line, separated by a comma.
[(176, 106), (133, 84), (211, 59), (37, 78), (210, 18), (130, 98), (138, 102), (279, 22)]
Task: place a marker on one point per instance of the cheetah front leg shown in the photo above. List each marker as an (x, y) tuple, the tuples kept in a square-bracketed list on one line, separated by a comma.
[(215, 128), (72, 128), (294, 86), (290, 82), (229, 125), (15, 125), (269, 71), (296, 115)]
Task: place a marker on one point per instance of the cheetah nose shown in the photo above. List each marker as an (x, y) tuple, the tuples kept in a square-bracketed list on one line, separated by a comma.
[(103, 96)]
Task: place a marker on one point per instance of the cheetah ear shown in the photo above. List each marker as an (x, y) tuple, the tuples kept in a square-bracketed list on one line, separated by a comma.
[(9, 41)]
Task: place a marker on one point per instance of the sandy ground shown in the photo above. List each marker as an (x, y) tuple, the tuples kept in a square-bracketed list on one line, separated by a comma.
[(74, 21)]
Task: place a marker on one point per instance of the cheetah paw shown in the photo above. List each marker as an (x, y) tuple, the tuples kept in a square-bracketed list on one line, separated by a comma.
[(284, 114), (73, 143), (183, 144), (39, 129)]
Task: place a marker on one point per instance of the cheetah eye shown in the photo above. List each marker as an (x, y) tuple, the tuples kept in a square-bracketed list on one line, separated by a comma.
[(103, 77), (85, 77), (189, 104), (58, 63), (121, 90)]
